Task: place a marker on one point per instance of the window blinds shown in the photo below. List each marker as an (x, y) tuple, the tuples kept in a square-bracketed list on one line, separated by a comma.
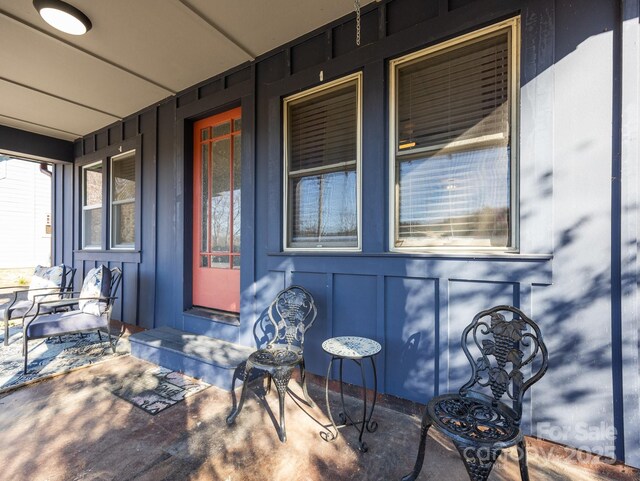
[(322, 151), (453, 160), (323, 130), (455, 97)]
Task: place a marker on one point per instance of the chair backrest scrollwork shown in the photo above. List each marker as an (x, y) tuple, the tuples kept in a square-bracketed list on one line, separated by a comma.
[(507, 349), (291, 313)]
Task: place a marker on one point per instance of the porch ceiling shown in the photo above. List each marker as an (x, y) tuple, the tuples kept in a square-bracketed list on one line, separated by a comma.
[(137, 53)]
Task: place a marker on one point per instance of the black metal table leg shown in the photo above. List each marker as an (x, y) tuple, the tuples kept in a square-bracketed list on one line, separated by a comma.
[(331, 435), (345, 419), (372, 426)]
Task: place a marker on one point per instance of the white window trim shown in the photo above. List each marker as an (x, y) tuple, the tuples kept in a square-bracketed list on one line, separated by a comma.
[(285, 216), (92, 206), (112, 245), (513, 24)]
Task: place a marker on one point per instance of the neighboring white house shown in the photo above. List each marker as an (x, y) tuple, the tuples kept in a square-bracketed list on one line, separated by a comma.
[(25, 214)]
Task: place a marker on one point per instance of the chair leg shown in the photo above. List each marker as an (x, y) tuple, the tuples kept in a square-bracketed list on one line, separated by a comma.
[(281, 379), (234, 414), (522, 460), (99, 335), (25, 351), (303, 377), (479, 461), (267, 389), (417, 467), (6, 332)]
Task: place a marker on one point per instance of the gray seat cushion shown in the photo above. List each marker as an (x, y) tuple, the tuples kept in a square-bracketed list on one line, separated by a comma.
[(62, 323), (20, 308)]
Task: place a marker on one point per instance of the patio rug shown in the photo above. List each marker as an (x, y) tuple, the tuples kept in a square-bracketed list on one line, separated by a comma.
[(158, 388), (51, 357)]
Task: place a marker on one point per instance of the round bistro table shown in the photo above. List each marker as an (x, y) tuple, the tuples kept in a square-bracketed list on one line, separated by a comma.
[(356, 349)]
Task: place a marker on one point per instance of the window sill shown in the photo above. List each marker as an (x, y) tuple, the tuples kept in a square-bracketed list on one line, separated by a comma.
[(116, 255), (498, 256)]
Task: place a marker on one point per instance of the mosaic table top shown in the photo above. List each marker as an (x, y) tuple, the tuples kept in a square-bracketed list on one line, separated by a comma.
[(351, 347)]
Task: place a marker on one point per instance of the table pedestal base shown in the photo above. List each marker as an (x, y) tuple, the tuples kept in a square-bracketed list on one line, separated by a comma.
[(343, 416)]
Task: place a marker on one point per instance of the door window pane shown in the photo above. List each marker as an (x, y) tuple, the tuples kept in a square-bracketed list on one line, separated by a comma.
[(220, 195), (204, 199), (237, 182)]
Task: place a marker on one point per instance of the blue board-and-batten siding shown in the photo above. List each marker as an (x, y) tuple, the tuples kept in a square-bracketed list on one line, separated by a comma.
[(569, 276)]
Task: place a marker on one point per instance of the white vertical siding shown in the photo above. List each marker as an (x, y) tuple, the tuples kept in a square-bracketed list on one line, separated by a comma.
[(25, 202)]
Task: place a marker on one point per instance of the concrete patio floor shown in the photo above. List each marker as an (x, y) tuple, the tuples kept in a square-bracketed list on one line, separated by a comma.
[(72, 428)]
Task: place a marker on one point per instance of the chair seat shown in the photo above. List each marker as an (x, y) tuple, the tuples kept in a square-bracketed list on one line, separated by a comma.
[(473, 420), (268, 359), (63, 323), (20, 308)]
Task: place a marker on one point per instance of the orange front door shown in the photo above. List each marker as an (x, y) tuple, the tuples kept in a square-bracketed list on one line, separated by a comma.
[(216, 211)]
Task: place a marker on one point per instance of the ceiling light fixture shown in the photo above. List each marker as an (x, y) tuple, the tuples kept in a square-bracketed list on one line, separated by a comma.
[(62, 16)]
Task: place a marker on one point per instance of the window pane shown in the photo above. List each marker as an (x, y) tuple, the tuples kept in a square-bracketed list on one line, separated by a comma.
[(237, 125), (459, 95), (92, 197), (92, 227), (204, 213), (324, 210), (322, 154), (123, 173), (323, 129), (237, 181), (220, 262), (123, 223), (220, 195), (453, 161), (456, 199), (222, 129), (92, 187), (123, 195)]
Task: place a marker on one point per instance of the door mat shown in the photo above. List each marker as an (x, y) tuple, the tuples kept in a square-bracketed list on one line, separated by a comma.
[(52, 357), (158, 388)]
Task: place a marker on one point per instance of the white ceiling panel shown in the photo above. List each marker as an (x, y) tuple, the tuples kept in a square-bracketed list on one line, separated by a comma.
[(264, 25), (54, 67), (38, 129), (137, 53), (44, 110)]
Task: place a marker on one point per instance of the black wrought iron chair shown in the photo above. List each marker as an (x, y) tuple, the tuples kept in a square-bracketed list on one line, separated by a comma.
[(89, 311), (47, 283), (292, 313), (479, 423)]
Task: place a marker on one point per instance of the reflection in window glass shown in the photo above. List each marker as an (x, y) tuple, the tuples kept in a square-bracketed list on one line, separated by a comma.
[(322, 157), (92, 206), (220, 195), (453, 145), (123, 198)]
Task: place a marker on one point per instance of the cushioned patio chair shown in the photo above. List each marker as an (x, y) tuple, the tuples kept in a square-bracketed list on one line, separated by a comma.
[(479, 423), (291, 313), (90, 311), (47, 283)]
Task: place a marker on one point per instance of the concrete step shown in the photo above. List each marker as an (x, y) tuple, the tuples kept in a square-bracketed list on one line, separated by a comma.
[(212, 360), (211, 324)]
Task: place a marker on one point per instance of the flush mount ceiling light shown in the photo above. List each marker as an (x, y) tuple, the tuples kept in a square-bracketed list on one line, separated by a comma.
[(63, 16)]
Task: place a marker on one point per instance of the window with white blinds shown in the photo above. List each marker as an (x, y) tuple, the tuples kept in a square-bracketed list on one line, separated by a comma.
[(453, 146), (322, 151)]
